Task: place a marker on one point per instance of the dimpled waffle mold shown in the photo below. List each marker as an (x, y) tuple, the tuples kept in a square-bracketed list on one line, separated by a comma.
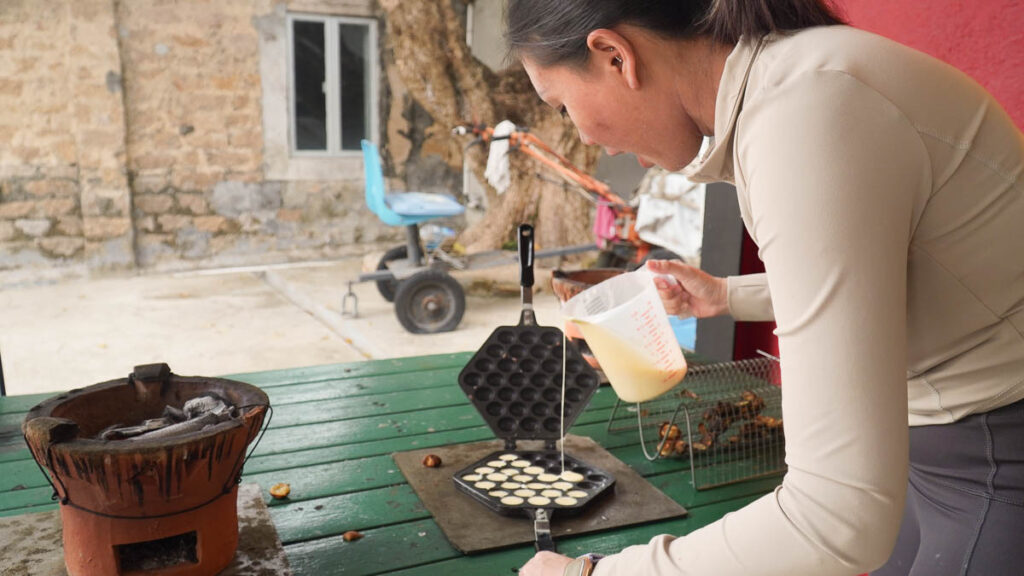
[(515, 382), (507, 488)]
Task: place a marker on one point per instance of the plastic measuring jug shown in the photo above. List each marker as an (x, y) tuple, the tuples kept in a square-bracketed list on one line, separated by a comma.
[(627, 329)]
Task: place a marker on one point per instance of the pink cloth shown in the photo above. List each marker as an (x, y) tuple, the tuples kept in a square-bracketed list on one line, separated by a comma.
[(604, 224)]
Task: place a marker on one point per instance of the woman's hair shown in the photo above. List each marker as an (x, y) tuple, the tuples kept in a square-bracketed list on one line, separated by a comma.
[(555, 31)]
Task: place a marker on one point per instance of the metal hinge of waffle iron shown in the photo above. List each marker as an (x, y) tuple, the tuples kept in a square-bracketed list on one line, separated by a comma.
[(510, 445)]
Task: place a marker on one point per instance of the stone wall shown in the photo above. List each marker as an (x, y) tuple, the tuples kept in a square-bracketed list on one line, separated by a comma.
[(134, 134), (192, 98), (64, 197)]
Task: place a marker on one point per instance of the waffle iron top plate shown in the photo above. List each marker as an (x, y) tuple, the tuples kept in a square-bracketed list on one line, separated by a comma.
[(515, 382)]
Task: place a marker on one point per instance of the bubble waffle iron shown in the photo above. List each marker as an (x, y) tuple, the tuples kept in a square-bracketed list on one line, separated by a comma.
[(515, 382)]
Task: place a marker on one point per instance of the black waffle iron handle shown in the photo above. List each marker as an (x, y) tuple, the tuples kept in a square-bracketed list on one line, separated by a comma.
[(542, 531), (527, 318)]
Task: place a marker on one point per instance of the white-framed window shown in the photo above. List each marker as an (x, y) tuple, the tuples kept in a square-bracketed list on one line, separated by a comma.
[(332, 79)]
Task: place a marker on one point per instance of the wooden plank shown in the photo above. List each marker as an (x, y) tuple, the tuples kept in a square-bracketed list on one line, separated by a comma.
[(27, 498), (509, 561), (366, 429), (408, 556), (29, 510), (20, 475), (339, 452), (278, 441), (331, 479), (11, 420), (323, 382), (333, 515), (22, 403), (367, 386), (380, 551), (359, 369), (355, 407), (14, 453)]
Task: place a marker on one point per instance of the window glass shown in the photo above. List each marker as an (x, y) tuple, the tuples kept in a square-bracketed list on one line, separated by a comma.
[(353, 53), (310, 100)]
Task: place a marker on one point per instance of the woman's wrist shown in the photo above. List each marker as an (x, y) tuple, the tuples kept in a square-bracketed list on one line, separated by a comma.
[(582, 566), (722, 298)]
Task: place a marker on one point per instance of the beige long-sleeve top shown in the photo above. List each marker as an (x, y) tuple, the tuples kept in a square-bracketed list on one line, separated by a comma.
[(883, 189)]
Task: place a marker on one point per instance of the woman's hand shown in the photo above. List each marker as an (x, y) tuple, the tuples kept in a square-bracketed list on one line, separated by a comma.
[(545, 564), (695, 293)]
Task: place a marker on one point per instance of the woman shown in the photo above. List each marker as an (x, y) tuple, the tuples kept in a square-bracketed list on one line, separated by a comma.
[(884, 190)]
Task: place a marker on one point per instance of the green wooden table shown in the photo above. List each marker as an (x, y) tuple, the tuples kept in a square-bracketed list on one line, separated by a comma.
[(333, 432)]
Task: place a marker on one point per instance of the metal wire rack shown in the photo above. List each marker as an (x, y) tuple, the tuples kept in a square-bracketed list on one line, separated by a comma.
[(724, 418)]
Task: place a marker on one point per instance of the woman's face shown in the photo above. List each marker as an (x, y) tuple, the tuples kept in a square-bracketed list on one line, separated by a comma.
[(647, 120)]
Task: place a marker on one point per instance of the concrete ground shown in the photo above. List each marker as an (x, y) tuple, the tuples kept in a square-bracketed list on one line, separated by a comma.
[(74, 333)]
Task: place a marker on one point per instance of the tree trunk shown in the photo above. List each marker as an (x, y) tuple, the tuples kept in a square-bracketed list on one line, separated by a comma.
[(427, 38)]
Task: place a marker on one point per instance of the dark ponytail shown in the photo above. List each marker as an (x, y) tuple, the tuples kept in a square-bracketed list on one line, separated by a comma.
[(727, 20), (555, 31)]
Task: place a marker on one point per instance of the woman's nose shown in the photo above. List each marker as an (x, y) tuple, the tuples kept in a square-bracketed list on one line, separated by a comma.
[(612, 151), (585, 139)]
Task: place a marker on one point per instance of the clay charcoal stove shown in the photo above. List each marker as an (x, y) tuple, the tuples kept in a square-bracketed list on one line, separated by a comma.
[(146, 469), (515, 382)]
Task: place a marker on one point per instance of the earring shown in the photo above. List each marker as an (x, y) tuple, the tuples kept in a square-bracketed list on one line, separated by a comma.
[(618, 60)]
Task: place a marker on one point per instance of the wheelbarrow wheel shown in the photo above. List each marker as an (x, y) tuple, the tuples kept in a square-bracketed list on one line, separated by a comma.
[(387, 288), (430, 301), (610, 259)]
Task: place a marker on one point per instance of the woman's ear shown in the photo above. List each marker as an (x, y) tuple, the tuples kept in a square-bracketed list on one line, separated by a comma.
[(613, 53)]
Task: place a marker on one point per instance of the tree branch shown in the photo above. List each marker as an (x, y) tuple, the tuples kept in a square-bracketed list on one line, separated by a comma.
[(431, 56)]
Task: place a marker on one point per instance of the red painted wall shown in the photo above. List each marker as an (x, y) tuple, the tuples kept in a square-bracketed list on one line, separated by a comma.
[(984, 38)]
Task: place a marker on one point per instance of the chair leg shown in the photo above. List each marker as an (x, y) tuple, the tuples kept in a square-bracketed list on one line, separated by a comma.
[(350, 296), (3, 387), (412, 242)]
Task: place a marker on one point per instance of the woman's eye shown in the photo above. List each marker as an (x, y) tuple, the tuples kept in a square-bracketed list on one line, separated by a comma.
[(563, 111)]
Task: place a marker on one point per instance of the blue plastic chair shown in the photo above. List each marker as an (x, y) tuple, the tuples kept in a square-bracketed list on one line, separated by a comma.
[(405, 208)]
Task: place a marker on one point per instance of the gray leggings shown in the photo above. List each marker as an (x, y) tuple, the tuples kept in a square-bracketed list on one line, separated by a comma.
[(965, 502)]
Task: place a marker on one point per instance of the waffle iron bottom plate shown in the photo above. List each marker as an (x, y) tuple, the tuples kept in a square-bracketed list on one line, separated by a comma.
[(512, 482)]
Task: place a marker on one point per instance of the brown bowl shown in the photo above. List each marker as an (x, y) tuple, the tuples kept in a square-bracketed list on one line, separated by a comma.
[(568, 284)]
